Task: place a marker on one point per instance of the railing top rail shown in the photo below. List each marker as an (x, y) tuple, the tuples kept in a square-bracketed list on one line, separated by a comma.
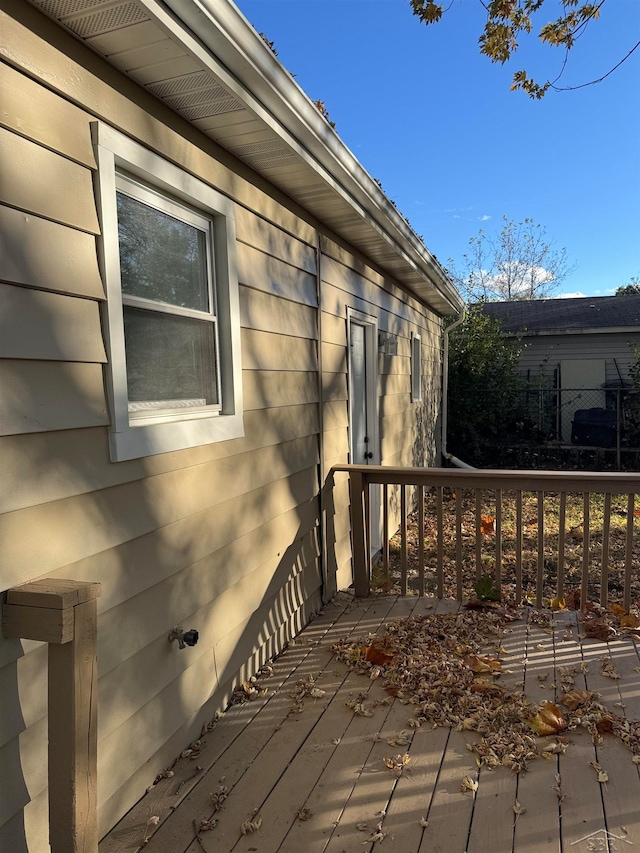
[(562, 481)]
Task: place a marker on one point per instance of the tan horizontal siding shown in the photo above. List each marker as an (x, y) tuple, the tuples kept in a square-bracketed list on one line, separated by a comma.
[(336, 444), (259, 270), (30, 824), (270, 313), (334, 358), (38, 114), (347, 257), (342, 277), (390, 404), (82, 460), (132, 636), (394, 365), (334, 329), (281, 511), (394, 383), (131, 744), (48, 256), (334, 386), (115, 515), (142, 676), (123, 634), (36, 396), (266, 351), (49, 326), (26, 676), (45, 183), (264, 388), (257, 232), (24, 772), (129, 792), (335, 414)]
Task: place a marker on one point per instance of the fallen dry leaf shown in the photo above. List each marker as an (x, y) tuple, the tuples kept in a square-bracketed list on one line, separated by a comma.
[(482, 664), (548, 720), (608, 668), (378, 655), (574, 698), (469, 784), (487, 524), (601, 775)]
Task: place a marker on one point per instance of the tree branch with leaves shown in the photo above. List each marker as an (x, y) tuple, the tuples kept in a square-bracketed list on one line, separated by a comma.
[(510, 20)]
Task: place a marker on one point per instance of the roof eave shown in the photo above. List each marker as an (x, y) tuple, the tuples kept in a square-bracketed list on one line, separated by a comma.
[(257, 77)]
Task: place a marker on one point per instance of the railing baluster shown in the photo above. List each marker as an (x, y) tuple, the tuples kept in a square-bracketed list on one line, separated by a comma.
[(403, 540), (367, 525), (584, 591), (499, 540), (604, 568), (420, 540), (518, 546), (627, 563), (360, 558), (562, 522), (478, 494), (540, 578), (459, 544), (440, 546), (385, 530)]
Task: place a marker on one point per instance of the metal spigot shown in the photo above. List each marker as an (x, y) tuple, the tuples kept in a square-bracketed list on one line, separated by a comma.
[(184, 638)]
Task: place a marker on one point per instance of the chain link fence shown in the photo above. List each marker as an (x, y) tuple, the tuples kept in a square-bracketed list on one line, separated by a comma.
[(590, 428)]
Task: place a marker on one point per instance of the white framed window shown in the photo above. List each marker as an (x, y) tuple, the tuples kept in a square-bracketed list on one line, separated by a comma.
[(172, 315), (416, 367)]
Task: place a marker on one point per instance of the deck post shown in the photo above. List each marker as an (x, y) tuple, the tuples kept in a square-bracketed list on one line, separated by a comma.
[(359, 538), (63, 613)]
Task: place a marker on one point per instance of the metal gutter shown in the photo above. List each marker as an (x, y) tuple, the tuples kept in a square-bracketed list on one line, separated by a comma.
[(445, 396)]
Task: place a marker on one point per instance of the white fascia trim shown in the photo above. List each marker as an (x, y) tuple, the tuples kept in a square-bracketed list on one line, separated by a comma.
[(260, 82), (561, 333)]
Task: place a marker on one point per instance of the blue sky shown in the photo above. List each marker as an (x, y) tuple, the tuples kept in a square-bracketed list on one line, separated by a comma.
[(435, 121)]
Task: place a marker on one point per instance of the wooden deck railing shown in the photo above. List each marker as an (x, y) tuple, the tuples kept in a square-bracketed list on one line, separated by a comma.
[(539, 533)]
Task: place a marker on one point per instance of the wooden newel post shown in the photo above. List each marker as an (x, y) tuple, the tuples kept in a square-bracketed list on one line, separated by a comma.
[(62, 613)]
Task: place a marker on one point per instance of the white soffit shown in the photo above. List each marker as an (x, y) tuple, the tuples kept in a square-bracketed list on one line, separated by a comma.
[(205, 61)]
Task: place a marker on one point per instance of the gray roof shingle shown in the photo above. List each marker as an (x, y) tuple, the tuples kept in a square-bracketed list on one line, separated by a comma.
[(558, 315)]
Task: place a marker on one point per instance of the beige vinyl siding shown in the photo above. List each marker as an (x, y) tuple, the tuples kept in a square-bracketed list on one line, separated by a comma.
[(223, 537), (542, 353), (47, 255)]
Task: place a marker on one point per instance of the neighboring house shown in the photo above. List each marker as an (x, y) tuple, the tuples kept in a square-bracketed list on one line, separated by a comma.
[(206, 302), (572, 345)]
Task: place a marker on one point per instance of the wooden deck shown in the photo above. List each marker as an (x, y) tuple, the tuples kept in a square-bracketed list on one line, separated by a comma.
[(273, 763)]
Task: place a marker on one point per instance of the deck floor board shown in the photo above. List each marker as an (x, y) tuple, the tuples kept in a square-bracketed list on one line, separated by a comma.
[(330, 762)]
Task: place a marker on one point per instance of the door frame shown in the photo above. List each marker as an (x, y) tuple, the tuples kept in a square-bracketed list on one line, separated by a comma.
[(370, 324)]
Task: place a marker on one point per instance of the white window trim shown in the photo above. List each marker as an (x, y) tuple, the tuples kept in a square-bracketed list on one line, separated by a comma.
[(131, 438), (416, 368)]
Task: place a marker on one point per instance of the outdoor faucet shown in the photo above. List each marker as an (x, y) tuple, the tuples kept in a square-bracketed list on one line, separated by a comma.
[(184, 638)]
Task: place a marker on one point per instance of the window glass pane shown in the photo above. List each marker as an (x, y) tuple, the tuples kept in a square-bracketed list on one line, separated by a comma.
[(170, 361), (161, 257)]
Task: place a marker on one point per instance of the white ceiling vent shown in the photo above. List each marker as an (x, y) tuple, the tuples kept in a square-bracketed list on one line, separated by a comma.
[(266, 154), (88, 18)]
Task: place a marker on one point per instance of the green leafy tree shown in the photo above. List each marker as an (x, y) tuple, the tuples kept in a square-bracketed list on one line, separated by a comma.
[(518, 262), (630, 289), (484, 410), (510, 20)]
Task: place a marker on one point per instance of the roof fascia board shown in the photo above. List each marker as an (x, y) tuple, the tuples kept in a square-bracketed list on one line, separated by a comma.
[(548, 333), (270, 92)]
